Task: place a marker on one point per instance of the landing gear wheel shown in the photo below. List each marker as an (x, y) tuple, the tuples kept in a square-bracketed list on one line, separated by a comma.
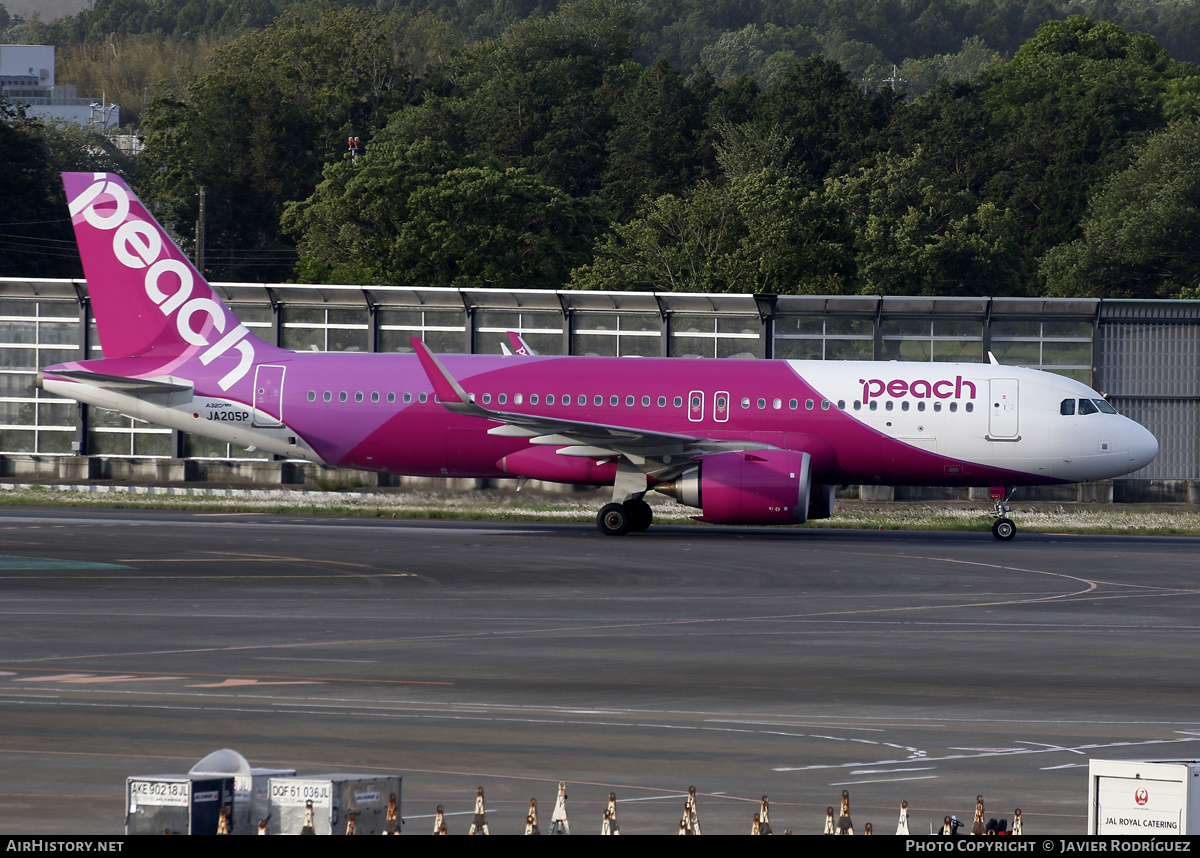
[(640, 515), (1004, 529), (613, 520)]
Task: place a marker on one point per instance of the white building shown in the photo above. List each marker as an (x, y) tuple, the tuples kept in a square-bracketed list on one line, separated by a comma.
[(27, 77)]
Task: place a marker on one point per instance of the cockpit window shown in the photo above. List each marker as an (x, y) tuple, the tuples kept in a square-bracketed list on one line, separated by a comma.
[(1067, 407), (1087, 407), (1104, 406)]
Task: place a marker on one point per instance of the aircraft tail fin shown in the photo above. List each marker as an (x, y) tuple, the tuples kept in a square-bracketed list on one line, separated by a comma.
[(148, 299), (519, 346)]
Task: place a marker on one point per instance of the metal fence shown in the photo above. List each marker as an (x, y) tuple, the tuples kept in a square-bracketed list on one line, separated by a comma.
[(1144, 354)]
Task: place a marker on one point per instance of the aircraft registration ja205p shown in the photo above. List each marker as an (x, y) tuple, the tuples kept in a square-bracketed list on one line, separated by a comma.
[(745, 442)]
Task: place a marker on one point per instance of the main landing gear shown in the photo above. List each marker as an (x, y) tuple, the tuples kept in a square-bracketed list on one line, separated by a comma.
[(617, 519)]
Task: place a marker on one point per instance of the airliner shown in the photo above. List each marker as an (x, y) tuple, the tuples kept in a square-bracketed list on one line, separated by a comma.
[(743, 442)]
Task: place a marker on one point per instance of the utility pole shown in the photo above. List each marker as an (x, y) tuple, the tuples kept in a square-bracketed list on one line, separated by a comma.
[(200, 225)]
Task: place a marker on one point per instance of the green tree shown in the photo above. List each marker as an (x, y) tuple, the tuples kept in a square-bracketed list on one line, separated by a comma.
[(1063, 114), (828, 117), (533, 98), (919, 232), (761, 232), (257, 128), (747, 52), (1141, 237), (657, 143), (36, 239), (420, 215)]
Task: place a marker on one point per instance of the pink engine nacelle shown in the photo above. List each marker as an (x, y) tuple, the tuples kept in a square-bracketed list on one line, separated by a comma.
[(542, 463), (759, 487)]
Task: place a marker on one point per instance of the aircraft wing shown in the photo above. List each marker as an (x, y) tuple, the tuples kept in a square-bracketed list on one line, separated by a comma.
[(652, 452)]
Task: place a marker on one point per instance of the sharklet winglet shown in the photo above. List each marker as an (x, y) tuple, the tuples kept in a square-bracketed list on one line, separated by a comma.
[(445, 387)]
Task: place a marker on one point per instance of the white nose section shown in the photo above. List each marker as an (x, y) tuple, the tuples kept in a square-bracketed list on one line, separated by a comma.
[(1143, 447)]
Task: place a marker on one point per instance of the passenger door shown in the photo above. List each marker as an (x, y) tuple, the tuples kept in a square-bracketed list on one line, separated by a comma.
[(1003, 422)]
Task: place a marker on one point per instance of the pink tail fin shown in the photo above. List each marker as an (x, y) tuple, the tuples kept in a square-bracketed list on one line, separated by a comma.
[(148, 299)]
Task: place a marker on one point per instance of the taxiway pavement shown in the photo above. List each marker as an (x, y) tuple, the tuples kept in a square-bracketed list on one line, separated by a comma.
[(794, 663)]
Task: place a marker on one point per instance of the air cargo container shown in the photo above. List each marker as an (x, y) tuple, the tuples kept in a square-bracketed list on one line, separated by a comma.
[(334, 799)]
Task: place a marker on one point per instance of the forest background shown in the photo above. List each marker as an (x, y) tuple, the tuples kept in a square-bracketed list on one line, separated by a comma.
[(894, 147)]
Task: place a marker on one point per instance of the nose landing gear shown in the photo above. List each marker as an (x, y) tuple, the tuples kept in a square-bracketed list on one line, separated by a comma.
[(1003, 528)]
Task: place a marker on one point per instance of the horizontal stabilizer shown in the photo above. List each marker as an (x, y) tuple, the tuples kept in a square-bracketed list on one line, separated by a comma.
[(123, 384)]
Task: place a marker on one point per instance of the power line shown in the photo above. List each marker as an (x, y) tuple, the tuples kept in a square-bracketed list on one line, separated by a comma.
[(37, 239), (33, 222)]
